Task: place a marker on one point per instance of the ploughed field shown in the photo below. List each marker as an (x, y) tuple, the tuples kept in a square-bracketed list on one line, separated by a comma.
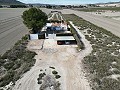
[(11, 27), (7, 13)]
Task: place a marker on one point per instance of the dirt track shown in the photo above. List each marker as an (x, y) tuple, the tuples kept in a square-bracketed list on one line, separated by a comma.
[(64, 58)]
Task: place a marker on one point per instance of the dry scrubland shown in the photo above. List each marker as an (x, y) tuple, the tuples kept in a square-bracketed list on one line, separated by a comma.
[(103, 63), (108, 12), (15, 62)]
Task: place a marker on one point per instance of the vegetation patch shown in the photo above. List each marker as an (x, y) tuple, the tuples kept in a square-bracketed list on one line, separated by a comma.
[(103, 63), (54, 72), (15, 62), (52, 67), (34, 19), (48, 81), (57, 76)]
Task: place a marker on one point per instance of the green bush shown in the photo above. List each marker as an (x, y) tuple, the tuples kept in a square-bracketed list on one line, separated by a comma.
[(7, 78), (35, 19), (57, 76), (52, 67), (39, 82), (54, 72), (8, 65), (41, 75)]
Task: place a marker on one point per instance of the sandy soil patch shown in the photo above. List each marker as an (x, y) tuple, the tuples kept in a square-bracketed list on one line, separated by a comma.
[(66, 60)]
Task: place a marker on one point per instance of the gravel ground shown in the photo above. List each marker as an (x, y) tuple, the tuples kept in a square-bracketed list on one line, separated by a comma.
[(66, 60)]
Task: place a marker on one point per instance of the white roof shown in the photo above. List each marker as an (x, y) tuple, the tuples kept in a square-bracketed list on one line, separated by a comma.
[(33, 36), (49, 24), (66, 32), (65, 38)]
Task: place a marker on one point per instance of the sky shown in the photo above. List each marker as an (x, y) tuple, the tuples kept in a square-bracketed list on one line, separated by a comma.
[(66, 2)]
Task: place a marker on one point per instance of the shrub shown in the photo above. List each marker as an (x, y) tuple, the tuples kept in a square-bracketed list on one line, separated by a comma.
[(54, 72), (57, 76), (16, 61), (39, 82), (34, 18), (41, 75), (52, 67)]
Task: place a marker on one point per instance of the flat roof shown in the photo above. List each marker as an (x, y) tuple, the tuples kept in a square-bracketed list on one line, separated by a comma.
[(65, 38), (64, 32), (49, 24), (67, 32)]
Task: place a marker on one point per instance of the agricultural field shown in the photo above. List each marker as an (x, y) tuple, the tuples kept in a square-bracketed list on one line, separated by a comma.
[(108, 12), (9, 13), (106, 23), (11, 27), (103, 64), (99, 9)]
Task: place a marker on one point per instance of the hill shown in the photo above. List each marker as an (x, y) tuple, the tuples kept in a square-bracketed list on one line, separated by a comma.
[(9, 2), (109, 3)]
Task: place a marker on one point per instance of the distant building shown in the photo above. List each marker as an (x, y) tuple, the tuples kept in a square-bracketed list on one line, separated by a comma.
[(5, 6), (109, 5)]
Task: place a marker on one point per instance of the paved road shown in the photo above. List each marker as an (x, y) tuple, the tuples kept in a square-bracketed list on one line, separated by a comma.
[(11, 30)]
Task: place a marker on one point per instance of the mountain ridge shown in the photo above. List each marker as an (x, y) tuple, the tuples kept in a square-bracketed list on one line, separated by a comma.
[(8, 2)]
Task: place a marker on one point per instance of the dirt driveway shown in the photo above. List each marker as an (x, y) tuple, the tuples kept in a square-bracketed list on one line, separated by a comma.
[(66, 60)]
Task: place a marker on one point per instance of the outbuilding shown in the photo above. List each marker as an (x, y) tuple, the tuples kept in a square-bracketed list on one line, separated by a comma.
[(66, 40)]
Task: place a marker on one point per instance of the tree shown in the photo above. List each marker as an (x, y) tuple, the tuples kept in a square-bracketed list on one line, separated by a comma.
[(34, 19), (0, 6), (18, 6)]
